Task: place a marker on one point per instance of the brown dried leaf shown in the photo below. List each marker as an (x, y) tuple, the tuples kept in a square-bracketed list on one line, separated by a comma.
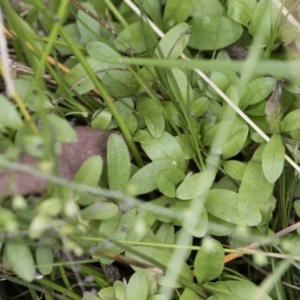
[(89, 142)]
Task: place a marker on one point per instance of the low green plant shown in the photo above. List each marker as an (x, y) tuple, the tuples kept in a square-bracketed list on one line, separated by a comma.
[(206, 164)]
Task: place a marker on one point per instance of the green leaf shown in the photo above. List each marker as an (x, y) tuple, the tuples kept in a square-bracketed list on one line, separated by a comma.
[(209, 261), (107, 293), (99, 211), (163, 258), (88, 174), (38, 225), (118, 162), (180, 86), (137, 287), (9, 116), (165, 147), (62, 130), (78, 79), (220, 290), (246, 290), (89, 28), (120, 83), (199, 107), (143, 137), (166, 234), (131, 123), (220, 80), (211, 33), (90, 296), (153, 115), (167, 181), (185, 141), (90, 171), (44, 259), (174, 42), (222, 132), (101, 50), (157, 297), (49, 207), (72, 30), (264, 20), (189, 295), (257, 109), (143, 181), (223, 204), (192, 215), (39, 101), (217, 287), (120, 290), (20, 259), (177, 11), (153, 10), (195, 185), (133, 38), (241, 10), (204, 8), (297, 207), (273, 158), (235, 169), (101, 119), (113, 227), (218, 227), (291, 121), (255, 190), (258, 90), (286, 33), (236, 142)]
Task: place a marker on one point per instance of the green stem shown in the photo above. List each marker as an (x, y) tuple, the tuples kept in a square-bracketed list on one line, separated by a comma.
[(105, 97), (55, 287)]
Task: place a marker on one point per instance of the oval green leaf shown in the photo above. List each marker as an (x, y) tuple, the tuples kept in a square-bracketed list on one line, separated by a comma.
[(78, 79), (143, 181), (235, 169), (174, 42), (246, 289), (167, 180), (153, 115), (273, 158), (177, 11), (255, 190), (209, 261), (291, 121), (44, 259), (118, 162), (135, 38), (180, 86), (99, 211), (62, 129), (236, 142), (189, 295), (241, 10), (20, 259), (257, 90), (88, 174), (211, 33), (163, 258), (223, 204), (137, 287), (199, 107), (195, 185), (9, 116), (165, 147)]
